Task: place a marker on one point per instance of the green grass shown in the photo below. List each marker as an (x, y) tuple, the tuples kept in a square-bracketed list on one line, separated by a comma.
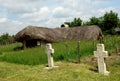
[(29, 64), (65, 72), (29, 56), (35, 56), (8, 48), (111, 42)]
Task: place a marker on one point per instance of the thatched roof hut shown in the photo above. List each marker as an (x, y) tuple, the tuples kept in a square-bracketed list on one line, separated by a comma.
[(32, 34)]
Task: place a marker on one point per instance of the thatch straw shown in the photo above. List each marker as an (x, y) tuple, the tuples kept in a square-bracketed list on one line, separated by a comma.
[(59, 34)]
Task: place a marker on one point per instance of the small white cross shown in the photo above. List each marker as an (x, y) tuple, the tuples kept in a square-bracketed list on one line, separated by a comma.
[(50, 52), (101, 54)]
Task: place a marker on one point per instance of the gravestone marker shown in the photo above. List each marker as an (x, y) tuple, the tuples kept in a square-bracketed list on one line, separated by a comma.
[(50, 52), (101, 54)]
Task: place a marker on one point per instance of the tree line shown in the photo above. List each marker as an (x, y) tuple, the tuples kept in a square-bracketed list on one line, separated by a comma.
[(108, 22), (6, 39)]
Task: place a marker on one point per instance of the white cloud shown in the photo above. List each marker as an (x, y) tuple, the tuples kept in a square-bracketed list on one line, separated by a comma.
[(55, 22), (10, 26), (42, 11), (77, 8), (40, 15), (20, 6), (51, 13), (61, 12), (102, 11), (2, 20)]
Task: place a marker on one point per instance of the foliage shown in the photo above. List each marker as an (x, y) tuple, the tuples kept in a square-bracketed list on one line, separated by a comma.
[(108, 22), (75, 22), (93, 21), (35, 56), (6, 38), (119, 23), (22, 69), (23, 64)]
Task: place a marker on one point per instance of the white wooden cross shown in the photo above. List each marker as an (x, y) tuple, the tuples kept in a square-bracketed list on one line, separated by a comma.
[(101, 54)]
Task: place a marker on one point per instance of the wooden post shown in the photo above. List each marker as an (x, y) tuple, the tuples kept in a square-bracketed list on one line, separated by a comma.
[(40, 43), (118, 49), (101, 39), (67, 50), (78, 51), (93, 45), (24, 44)]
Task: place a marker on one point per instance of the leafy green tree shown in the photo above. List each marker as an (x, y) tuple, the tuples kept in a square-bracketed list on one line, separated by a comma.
[(107, 23), (6, 38), (119, 23), (93, 21), (75, 22), (110, 21)]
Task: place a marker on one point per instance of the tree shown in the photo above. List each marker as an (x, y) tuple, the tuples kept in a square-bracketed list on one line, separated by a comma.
[(119, 23), (107, 23), (110, 21), (93, 21), (6, 38), (75, 22)]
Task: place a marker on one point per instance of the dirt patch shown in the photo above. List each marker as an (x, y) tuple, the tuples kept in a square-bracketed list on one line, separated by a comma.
[(91, 60)]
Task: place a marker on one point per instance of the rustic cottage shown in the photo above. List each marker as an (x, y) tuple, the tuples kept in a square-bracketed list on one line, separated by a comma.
[(32, 35)]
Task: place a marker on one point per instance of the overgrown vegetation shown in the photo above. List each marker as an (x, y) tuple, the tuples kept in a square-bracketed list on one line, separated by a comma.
[(6, 39), (29, 64), (34, 56), (108, 22)]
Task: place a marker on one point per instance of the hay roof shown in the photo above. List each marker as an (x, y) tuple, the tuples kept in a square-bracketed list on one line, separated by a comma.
[(58, 34)]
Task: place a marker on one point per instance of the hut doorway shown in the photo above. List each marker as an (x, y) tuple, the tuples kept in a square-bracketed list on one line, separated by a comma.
[(32, 43)]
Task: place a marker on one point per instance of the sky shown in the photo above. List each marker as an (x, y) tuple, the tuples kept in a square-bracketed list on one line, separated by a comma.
[(18, 14)]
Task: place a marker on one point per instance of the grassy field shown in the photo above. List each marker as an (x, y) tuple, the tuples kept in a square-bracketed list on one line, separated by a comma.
[(29, 64), (37, 55), (65, 72)]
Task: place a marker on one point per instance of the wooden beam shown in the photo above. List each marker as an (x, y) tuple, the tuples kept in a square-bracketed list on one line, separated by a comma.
[(24, 44)]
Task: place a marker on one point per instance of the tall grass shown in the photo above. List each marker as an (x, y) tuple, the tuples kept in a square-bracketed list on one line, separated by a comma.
[(64, 51), (111, 42), (71, 52), (8, 48), (29, 56)]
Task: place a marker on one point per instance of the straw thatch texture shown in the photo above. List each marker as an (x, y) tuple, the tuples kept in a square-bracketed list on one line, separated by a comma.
[(59, 34)]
